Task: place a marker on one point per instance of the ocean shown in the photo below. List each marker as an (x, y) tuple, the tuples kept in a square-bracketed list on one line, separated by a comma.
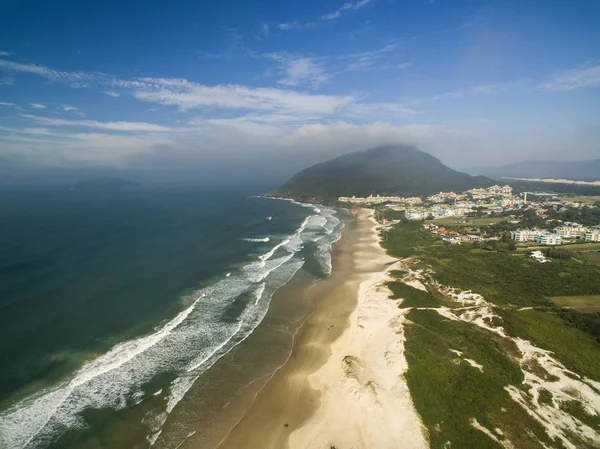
[(114, 305)]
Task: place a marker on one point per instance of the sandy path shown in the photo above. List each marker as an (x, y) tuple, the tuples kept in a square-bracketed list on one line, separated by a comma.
[(343, 384)]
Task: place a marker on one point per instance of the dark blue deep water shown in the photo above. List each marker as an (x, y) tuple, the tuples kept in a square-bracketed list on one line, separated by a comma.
[(101, 292)]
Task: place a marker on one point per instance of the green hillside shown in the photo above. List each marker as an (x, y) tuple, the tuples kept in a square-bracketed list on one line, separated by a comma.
[(396, 170)]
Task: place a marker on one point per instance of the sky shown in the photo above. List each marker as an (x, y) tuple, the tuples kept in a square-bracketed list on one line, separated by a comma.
[(268, 87)]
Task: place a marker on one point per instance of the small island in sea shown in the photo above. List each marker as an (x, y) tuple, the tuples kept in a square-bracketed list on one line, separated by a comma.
[(105, 184)]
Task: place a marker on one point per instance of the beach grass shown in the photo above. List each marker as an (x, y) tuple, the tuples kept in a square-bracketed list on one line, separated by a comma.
[(449, 393)]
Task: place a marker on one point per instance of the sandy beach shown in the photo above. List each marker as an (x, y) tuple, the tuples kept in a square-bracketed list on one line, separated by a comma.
[(343, 383)]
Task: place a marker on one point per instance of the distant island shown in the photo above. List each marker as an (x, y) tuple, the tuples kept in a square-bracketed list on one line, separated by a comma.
[(105, 184), (387, 170)]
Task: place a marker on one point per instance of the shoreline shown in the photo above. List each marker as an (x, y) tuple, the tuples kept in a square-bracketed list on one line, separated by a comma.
[(342, 384)]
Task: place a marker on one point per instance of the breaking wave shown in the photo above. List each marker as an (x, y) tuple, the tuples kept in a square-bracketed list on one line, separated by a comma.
[(217, 319)]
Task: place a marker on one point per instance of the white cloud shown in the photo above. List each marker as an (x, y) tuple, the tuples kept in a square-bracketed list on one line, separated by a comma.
[(404, 65), (68, 108), (379, 111), (299, 70), (483, 89), (5, 53), (348, 6), (367, 60), (2, 103), (112, 126), (286, 26), (188, 95), (574, 79), (45, 72), (112, 93), (38, 106), (7, 81)]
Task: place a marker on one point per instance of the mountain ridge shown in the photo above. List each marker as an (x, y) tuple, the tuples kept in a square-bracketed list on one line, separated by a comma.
[(386, 169)]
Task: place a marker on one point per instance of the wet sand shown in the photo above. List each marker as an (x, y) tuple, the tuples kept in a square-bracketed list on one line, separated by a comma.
[(342, 384)]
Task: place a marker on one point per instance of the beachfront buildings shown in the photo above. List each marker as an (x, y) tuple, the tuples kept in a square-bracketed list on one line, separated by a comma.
[(592, 235)]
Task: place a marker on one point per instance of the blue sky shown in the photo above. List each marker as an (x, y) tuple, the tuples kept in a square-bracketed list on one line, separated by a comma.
[(186, 83)]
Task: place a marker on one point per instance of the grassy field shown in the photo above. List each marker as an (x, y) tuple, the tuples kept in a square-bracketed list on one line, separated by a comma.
[(453, 221), (587, 246), (586, 304), (592, 257), (580, 199)]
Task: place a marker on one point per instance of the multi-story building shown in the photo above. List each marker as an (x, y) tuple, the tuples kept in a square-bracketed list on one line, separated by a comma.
[(413, 214), (592, 235), (549, 239), (525, 235), (567, 232)]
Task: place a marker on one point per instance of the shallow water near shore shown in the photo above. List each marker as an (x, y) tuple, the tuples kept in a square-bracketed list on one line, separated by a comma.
[(147, 303)]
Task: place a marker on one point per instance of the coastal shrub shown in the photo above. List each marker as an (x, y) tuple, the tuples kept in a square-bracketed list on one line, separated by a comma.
[(438, 377), (577, 350), (412, 297), (555, 252)]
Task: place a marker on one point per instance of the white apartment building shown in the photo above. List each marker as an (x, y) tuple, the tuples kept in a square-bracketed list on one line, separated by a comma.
[(549, 239), (592, 235), (525, 235), (567, 232), (378, 199), (416, 214)]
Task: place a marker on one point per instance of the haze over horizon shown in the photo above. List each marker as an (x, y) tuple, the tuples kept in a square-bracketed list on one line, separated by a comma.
[(265, 89)]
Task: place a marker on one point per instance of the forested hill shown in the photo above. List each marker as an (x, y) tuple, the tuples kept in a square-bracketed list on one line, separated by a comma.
[(394, 170)]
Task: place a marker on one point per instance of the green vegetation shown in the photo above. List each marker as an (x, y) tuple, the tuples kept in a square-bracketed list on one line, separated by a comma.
[(394, 170), (413, 297), (578, 351), (575, 409), (473, 394), (595, 200), (464, 222), (504, 278), (523, 292), (589, 303), (545, 397), (554, 252), (592, 257)]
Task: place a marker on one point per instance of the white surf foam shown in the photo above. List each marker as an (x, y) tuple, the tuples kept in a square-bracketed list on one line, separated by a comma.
[(188, 344)]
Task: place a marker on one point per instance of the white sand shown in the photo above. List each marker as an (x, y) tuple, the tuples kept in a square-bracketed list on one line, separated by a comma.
[(365, 402)]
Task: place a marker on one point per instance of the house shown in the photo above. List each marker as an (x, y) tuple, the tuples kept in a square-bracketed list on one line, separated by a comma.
[(538, 256)]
